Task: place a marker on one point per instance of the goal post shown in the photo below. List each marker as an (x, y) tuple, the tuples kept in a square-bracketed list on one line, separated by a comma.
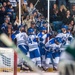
[(15, 63), (8, 60)]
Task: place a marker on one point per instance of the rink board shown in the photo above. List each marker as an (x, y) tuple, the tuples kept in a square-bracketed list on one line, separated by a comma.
[(29, 73)]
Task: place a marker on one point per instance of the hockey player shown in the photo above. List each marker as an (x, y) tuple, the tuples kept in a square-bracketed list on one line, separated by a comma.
[(22, 40), (53, 53), (33, 47), (22, 44), (42, 36), (66, 37), (67, 60)]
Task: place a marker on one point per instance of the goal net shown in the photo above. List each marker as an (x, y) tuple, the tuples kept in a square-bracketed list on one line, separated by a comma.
[(8, 61)]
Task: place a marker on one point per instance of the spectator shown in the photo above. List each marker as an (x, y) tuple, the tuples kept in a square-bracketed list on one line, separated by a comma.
[(35, 14), (4, 26), (31, 8), (71, 24), (55, 7), (24, 9), (2, 14), (7, 17), (54, 13), (71, 27), (32, 18), (26, 21), (68, 17), (52, 2), (4, 4), (62, 11), (73, 30), (16, 23), (8, 4), (10, 29), (10, 11), (73, 11)]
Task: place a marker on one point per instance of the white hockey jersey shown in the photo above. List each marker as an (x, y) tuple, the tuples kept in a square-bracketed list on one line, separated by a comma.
[(22, 38), (42, 37), (64, 36), (32, 42)]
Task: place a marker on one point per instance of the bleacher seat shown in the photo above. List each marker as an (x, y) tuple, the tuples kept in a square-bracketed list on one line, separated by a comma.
[(57, 25)]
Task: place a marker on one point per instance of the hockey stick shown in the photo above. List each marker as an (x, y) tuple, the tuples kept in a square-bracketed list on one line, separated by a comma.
[(34, 7), (4, 38), (36, 3)]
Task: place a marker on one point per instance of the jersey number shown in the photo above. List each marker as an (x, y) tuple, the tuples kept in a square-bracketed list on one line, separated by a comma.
[(22, 36), (30, 41)]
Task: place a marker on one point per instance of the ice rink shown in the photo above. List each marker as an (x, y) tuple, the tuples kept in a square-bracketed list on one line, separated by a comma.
[(29, 73)]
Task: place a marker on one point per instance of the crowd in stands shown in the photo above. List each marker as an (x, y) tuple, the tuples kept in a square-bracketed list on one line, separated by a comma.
[(60, 15), (9, 10)]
